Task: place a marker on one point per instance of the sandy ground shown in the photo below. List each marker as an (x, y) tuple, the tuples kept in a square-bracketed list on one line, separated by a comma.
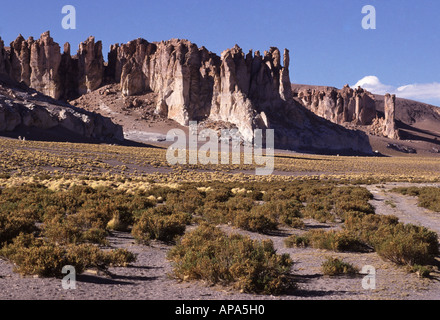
[(150, 277)]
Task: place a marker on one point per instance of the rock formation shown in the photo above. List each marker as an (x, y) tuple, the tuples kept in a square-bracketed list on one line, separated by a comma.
[(390, 130), (195, 84), (45, 59), (248, 90), (40, 65), (24, 108), (340, 106), (3, 58), (350, 107), (20, 60), (90, 66)]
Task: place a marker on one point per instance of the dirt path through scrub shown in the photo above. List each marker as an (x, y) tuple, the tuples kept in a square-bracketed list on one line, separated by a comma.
[(404, 207)]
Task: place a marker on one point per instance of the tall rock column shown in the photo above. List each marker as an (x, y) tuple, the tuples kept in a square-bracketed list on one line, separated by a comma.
[(90, 65), (45, 60), (390, 129), (20, 59), (285, 84), (3, 57)]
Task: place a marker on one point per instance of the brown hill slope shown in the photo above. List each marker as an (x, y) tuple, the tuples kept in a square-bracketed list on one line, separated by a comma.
[(418, 124)]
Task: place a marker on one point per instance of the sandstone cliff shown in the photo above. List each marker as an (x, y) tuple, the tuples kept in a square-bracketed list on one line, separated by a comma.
[(340, 106), (350, 107), (249, 90), (40, 65)]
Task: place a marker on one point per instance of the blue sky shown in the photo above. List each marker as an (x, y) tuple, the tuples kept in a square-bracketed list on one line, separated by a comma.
[(327, 42)]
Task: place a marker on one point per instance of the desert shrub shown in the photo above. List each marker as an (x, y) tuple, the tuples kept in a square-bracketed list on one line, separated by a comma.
[(89, 256), (33, 256), (403, 251), (366, 227), (155, 225), (219, 195), (214, 212), (422, 271), (402, 244), (335, 267), (209, 254), (62, 231), (255, 195), (95, 214), (328, 202), (341, 241), (11, 225), (225, 212), (286, 212), (407, 191), (187, 202), (295, 223), (320, 210), (255, 221), (296, 241), (291, 193), (429, 198), (162, 192), (406, 244), (346, 206), (355, 193), (239, 203)]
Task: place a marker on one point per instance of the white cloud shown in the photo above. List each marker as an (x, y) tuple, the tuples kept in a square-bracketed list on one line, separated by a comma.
[(424, 92), (373, 84)]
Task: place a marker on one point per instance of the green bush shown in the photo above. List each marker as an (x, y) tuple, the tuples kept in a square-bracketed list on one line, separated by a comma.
[(255, 221), (209, 254), (335, 267), (320, 209), (186, 202), (340, 241), (395, 241), (287, 212), (33, 256), (159, 224), (11, 225), (422, 271), (296, 241)]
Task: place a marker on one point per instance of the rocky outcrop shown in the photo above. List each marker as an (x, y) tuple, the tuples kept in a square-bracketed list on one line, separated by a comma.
[(20, 60), (3, 58), (40, 65), (90, 66), (21, 108), (249, 90), (390, 129), (340, 106), (36, 64), (45, 59), (194, 84), (179, 72), (350, 107)]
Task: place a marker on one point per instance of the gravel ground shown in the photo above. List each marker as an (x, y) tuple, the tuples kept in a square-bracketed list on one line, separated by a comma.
[(149, 277)]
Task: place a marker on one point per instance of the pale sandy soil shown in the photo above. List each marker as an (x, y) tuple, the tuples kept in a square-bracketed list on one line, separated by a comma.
[(150, 277)]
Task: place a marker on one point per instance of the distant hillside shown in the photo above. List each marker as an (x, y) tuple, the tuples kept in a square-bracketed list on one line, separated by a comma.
[(418, 123)]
